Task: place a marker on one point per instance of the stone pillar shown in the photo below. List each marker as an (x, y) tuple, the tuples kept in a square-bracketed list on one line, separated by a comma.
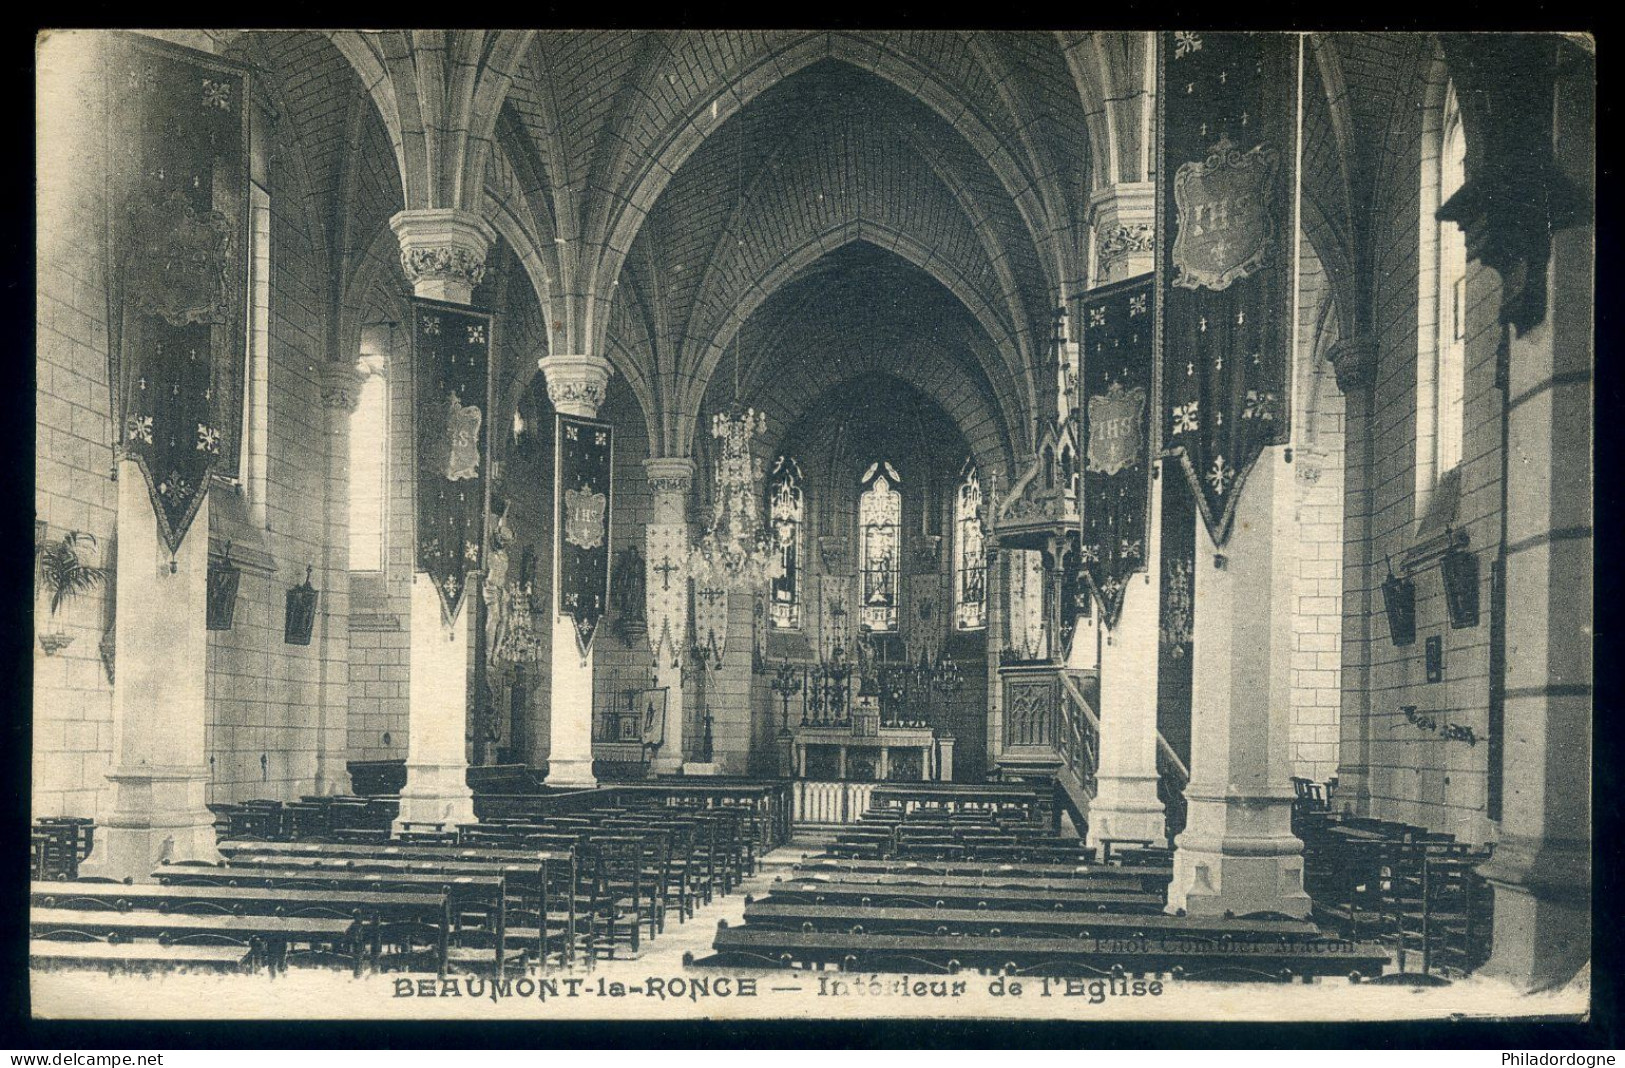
[(1126, 803), (575, 385), (341, 383), (161, 764), (1237, 852), (443, 254), (1541, 871), (670, 478), (1123, 220)]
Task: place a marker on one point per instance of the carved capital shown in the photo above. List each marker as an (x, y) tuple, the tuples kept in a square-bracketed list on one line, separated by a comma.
[(443, 251), (1124, 221), (669, 474), (576, 383), (341, 387), (670, 478), (1353, 360)]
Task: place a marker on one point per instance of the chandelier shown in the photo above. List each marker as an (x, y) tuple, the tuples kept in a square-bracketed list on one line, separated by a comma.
[(737, 551)]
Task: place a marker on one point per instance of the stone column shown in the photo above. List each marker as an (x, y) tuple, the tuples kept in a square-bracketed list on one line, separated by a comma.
[(161, 764), (1126, 803), (1541, 871), (1237, 852), (575, 385), (670, 478), (341, 384), (443, 254), (1122, 218)]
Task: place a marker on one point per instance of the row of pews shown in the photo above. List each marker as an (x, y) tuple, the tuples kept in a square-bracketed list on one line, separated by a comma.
[(924, 885), (542, 885), (1415, 891)]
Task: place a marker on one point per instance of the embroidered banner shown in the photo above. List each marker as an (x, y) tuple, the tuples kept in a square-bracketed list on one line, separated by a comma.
[(1228, 124), (1177, 615), (582, 476), (178, 228), (666, 591), (711, 622), (1118, 373), (453, 346)]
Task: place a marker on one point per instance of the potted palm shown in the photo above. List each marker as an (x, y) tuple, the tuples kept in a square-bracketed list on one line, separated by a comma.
[(68, 571)]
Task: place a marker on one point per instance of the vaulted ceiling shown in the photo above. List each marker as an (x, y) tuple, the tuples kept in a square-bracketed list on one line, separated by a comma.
[(664, 192)]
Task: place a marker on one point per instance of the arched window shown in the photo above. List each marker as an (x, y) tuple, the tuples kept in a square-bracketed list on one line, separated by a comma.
[(880, 522), (1442, 334), (369, 458), (786, 505), (970, 570)]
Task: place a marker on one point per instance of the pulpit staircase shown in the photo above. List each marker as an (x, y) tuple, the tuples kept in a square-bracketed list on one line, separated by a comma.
[(1051, 736)]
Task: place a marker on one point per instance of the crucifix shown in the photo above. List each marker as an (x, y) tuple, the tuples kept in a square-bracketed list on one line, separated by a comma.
[(665, 569), (709, 596)]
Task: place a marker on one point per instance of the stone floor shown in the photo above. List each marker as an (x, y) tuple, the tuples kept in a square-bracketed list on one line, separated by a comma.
[(665, 952)]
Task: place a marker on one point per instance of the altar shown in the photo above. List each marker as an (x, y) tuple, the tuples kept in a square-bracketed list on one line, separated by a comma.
[(889, 754)]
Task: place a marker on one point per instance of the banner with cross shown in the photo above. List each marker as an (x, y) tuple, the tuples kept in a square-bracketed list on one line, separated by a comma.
[(1225, 255), (452, 345), (177, 221), (1119, 389), (666, 591)]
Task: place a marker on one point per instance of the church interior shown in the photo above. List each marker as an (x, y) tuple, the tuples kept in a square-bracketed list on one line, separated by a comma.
[(641, 478)]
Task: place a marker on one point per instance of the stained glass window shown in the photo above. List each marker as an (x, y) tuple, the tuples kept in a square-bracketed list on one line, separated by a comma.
[(786, 505), (1452, 293), (970, 579), (880, 521)]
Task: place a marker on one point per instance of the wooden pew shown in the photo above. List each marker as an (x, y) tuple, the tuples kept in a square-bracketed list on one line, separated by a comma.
[(825, 864), (754, 947), (484, 894), (975, 897), (1097, 879), (881, 919), (383, 915), (52, 954), (272, 934)]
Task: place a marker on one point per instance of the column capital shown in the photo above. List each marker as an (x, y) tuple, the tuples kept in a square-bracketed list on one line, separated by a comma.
[(443, 251), (1353, 360), (1123, 217), (576, 382), (669, 474), (341, 385)]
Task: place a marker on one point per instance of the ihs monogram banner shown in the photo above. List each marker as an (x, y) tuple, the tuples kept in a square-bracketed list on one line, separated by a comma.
[(583, 468), (1227, 219), (1118, 379), (177, 201), (453, 347)]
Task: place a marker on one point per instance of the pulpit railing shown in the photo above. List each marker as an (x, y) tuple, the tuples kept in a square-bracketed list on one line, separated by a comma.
[(1078, 733), (1172, 778)]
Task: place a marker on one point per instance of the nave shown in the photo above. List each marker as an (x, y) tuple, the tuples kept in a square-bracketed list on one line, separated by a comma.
[(1029, 491)]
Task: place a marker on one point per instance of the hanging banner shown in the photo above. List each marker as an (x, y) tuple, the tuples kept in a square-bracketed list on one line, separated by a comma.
[(1119, 366), (177, 224), (453, 350), (711, 622), (835, 616), (1226, 221), (583, 469), (1177, 615), (666, 591)]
